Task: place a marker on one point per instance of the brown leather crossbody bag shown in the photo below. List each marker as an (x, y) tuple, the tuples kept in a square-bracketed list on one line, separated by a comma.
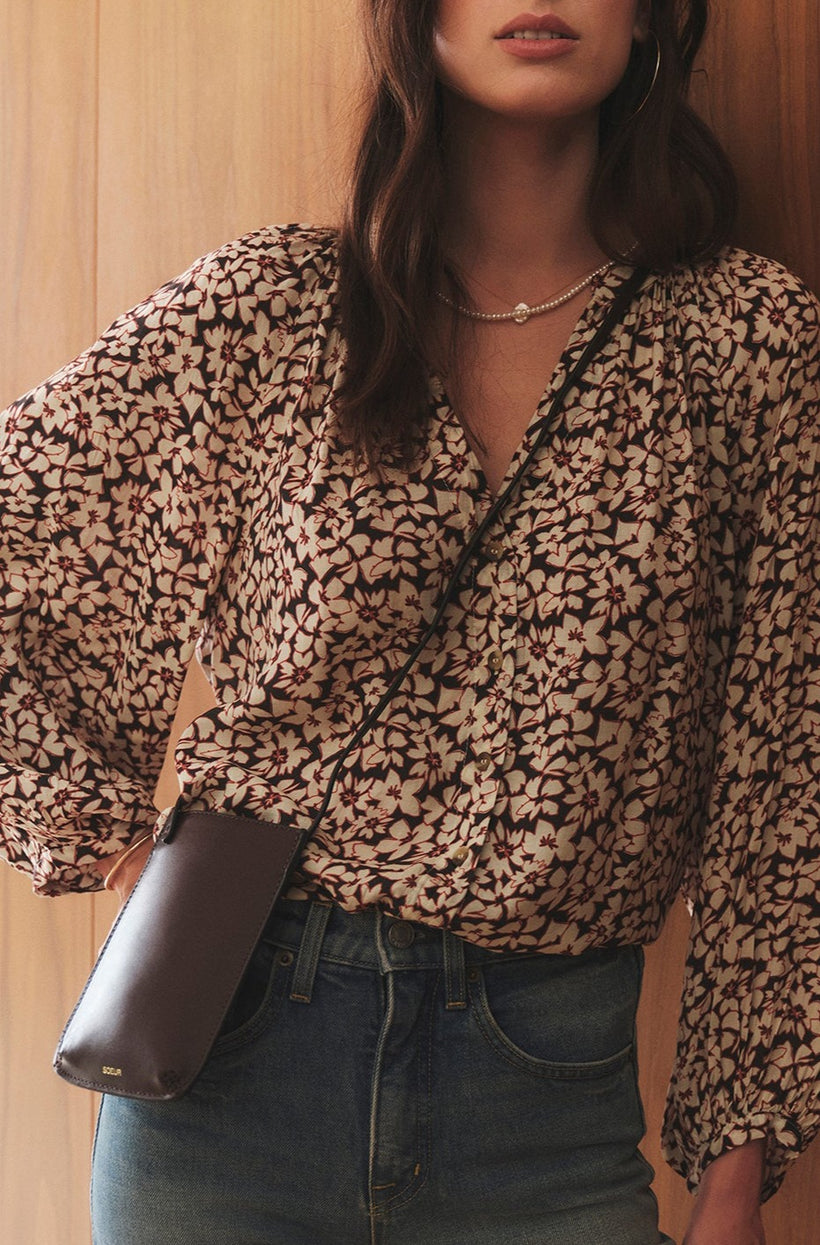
[(163, 982)]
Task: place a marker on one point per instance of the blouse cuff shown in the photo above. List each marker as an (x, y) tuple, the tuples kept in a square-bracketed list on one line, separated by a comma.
[(783, 1135), (58, 831)]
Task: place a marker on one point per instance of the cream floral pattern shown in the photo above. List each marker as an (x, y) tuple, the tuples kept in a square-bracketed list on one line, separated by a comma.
[(623, 701)]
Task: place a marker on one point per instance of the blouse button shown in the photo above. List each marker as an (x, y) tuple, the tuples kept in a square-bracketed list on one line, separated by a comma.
[(495, 661), (483, 762), (460, 855), (494, 550)]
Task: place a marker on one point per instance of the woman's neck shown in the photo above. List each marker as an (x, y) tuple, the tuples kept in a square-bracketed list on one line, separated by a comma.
[(516, 219)]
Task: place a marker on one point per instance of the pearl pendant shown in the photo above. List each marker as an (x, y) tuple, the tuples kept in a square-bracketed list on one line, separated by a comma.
[(521, 313)]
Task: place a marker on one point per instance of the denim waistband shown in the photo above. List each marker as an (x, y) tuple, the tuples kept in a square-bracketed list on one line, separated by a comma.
[(372, 939)]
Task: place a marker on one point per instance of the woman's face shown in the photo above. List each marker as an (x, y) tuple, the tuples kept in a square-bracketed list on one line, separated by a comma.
[(537, 59)]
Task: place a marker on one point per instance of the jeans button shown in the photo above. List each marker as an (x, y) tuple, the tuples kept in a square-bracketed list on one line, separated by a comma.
[(401, 934)]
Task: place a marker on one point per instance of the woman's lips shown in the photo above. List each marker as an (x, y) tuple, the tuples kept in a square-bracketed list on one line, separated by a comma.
[(538, 49), (548, 23)]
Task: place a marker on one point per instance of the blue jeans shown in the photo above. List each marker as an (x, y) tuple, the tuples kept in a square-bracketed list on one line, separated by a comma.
[(379, 1082)]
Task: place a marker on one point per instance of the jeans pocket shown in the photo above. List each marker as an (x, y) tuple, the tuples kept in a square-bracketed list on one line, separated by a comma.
[(570, 1017), (256, 999)]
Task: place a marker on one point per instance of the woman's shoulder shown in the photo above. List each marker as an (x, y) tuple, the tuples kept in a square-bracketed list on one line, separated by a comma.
[(740, 285), (293, 256), (288, 271), (738, 318)]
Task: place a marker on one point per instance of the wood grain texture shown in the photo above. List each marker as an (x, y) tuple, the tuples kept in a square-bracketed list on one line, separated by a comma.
[(45, 1125), (48, 101), (215, 119), (758, 89), (48, 90)]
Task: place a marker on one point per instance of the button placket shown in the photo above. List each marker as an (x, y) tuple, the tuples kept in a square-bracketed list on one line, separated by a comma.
[(486, 737), (461, 839), (491, 627)]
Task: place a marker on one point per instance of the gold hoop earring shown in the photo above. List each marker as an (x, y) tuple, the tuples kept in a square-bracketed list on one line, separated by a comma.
[(645, 99)]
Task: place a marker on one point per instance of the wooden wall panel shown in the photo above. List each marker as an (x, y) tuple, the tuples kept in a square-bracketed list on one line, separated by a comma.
[(758, 89), (215, 119), (46, 950), (48, 106), (48, 89)]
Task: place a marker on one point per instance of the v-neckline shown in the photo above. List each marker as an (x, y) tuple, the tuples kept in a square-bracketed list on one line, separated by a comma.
[(604, 285)]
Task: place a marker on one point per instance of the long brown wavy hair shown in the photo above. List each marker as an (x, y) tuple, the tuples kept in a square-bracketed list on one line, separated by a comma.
[(662, 182)]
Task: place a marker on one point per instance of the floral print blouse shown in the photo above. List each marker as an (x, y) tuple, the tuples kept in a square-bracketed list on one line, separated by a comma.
[(623, 698)]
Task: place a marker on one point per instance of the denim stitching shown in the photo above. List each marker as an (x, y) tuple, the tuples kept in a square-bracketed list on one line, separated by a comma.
[(412, 1189), (310, 950), (590, 1071), (262, 1018)]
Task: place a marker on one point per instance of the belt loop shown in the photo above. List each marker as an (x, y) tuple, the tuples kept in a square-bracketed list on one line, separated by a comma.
[(455, 977), (309, 950)]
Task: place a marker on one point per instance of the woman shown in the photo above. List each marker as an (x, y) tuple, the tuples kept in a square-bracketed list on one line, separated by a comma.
[(276, 459)]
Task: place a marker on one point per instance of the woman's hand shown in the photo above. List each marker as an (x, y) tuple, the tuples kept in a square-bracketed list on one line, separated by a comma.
[(727, 1208)]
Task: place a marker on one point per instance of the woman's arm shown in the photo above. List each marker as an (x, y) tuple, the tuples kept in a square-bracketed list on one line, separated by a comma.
[(121, 871), (746, 1069), (727, 1208), (121, 492)]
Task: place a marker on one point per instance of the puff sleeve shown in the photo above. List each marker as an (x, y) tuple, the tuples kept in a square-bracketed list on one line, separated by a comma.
[(748, 1059), (120, 487)]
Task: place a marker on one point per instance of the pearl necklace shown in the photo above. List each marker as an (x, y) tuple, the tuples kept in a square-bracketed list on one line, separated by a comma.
[(522, 312)]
